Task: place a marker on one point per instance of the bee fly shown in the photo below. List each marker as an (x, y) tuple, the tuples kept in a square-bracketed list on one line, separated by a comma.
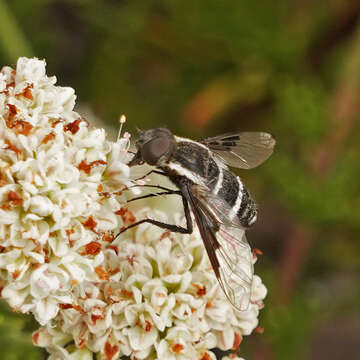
[(222, 206)]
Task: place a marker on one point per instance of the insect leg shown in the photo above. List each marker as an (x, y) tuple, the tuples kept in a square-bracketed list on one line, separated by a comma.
[(157, 194), (174, 228), (152, 186), (150, 172)]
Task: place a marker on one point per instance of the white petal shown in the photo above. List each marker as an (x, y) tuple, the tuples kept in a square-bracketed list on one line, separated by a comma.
[(31, 70), (8, 217), (45, 310)]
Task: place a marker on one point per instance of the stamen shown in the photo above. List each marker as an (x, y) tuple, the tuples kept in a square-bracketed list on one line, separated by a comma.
[(122, 120), (127, 137)]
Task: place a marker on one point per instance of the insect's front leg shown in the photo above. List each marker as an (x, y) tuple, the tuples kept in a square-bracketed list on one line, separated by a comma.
[(174, 228), (149, 173), (170, 192), (154, 187)]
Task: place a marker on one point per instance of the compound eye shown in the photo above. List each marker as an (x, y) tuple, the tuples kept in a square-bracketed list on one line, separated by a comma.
[(154, 149)]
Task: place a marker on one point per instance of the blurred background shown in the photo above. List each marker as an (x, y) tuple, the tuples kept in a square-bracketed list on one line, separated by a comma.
[(204, 67)]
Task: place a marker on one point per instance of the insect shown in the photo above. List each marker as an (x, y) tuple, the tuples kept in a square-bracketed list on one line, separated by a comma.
[(222, 206)]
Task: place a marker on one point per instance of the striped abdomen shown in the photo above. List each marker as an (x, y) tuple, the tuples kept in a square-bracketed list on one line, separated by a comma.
[(229, 187), (195, 162)]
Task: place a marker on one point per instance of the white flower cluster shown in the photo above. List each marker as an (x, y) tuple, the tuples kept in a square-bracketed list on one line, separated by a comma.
[(161, 301), (149, 294), (53, 218)]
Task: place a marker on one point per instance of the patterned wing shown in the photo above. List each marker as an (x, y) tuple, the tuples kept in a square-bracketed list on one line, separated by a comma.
[(228, 250), (216, 206), (244, 150)]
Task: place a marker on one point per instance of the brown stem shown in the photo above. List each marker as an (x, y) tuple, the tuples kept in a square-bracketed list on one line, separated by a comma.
[(296, 246)]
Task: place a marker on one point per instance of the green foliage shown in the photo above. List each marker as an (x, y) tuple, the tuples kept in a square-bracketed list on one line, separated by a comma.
[(12, 41), (15, 339), (289, 328)]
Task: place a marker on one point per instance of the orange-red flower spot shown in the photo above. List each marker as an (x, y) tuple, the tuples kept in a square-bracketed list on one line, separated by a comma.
[(177, 348), (108, 237), (72, 306), (23, 127), (109, 290), (110, 350), (237, 341), (54, 123), (68, 232), (15, 274), (259, 330), (27, 92), (73, 127), (200, 289), (121, 211), (148, 325), (114, 271), (206, 356), (38, 247), (93, 248), (12, 113), (11, 84), (79, 309), (84, 166), (127, 294), (14, 199), (19, 126), (95, 318), (126, 215), (35, 337), (90, 223), (65, 306), (101, 273), (82, 343), (257, 252), (12, 147), (165, 235), (115, 248), (48, 137), (130, 259)]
